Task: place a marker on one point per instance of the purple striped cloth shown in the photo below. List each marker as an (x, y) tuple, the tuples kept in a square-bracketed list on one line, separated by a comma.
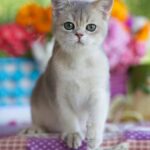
[(138, 133), (49, 144), (118, 83)]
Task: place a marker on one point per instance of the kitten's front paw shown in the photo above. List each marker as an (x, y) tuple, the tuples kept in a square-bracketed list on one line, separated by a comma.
[(95, 149), (93, 144), (94, 138), (73, 140)]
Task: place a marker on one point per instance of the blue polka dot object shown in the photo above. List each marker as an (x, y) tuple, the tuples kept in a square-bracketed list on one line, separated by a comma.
[(17, 79)]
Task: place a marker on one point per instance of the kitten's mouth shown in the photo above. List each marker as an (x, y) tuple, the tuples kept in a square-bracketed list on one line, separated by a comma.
[(79, 42)]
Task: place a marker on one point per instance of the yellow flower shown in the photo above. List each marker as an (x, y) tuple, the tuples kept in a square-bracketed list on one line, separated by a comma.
[(120, 10), (144, 33)]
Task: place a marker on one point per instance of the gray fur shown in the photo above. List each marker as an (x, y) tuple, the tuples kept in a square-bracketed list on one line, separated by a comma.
[(72, 95)]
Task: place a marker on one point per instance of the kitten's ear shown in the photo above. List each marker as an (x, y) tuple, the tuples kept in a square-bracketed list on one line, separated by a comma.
[(104, 5), (58, 6)]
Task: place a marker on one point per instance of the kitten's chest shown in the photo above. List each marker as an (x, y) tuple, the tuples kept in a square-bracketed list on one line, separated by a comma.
[(79, 75), (76, 83), (76, 90)]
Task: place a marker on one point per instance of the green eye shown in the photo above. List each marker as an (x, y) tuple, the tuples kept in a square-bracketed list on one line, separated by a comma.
[(91, 27), (69, 26)]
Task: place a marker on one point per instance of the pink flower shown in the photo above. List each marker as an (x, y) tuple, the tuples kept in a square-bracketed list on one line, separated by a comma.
[(138, 47), (116, 42), (121, 48), (14, 39)]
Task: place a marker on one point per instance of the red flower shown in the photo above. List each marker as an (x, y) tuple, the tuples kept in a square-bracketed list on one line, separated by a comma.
[(14, 39)]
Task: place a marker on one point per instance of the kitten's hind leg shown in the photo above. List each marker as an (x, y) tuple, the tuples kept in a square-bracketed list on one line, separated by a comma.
[(33, 131)]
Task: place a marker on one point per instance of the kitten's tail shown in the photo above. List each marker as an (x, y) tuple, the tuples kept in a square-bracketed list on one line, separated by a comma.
[(42, 53)]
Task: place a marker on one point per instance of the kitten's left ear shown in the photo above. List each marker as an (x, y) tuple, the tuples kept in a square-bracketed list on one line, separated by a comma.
[(58, 6), (104, 5)]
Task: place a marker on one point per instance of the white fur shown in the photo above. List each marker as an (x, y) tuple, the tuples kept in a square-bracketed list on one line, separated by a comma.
[(72, 96), (84, 93)]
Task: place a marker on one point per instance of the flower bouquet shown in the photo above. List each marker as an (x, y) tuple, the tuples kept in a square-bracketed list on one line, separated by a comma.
[(32, 22), (19, 74), (126, 44)]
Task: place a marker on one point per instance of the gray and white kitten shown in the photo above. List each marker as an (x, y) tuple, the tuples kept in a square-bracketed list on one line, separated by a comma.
[(72, 96)]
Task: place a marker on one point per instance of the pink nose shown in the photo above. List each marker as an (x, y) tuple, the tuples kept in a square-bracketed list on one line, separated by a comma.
[(79, 35)]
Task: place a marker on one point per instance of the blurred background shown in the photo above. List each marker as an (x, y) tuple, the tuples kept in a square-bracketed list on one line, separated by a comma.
[(26, 43)]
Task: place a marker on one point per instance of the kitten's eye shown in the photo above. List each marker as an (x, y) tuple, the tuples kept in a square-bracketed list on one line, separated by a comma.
[(91, 27), (69, 26)]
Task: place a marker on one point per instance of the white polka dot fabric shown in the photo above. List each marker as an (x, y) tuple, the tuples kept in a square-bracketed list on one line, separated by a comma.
[(17, 79), (49, 144)]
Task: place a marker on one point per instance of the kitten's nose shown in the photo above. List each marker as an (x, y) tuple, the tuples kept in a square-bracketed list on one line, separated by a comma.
[(79, 35)]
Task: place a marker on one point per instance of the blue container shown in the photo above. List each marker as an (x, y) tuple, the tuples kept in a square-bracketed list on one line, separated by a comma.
[(17, 79)]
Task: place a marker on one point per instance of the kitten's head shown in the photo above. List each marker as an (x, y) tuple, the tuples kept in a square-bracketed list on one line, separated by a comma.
[(80, 24)]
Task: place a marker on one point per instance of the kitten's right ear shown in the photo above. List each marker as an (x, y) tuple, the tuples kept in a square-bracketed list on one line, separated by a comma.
[(104, 5), (58, 6)]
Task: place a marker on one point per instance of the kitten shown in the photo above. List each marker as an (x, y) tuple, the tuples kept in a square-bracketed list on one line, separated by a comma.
[(72, 95)]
